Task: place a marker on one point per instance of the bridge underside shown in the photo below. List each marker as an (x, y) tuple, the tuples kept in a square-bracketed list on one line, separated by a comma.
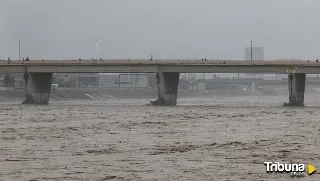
[(38, 87)]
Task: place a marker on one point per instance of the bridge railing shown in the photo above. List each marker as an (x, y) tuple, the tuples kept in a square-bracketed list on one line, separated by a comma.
[(160, 62)]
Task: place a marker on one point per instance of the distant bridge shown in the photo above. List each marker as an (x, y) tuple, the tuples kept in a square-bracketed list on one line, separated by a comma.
[(38, 73)]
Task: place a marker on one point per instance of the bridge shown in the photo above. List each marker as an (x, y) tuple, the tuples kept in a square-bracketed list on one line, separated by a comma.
[(159, 65), (38, 73)]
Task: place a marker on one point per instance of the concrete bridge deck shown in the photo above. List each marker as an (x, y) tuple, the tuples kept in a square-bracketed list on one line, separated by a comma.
[(160, 65)]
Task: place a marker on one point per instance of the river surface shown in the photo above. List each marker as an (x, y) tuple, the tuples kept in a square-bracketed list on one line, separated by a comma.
[(217, 138)]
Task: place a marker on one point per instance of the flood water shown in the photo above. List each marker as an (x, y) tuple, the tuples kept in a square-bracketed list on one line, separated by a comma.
[(217, 138)]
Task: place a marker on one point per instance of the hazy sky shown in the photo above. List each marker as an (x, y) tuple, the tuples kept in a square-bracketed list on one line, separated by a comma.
[(220, 29)]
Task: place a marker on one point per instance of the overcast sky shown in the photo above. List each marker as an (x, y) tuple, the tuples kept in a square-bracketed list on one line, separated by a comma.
[(219, 29)]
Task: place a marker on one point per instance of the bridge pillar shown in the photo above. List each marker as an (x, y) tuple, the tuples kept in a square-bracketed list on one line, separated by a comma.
[(38, 87), (296, 85), (167, 88)]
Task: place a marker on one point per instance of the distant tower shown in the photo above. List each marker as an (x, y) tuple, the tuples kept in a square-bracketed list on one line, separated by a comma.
[(257, 54)]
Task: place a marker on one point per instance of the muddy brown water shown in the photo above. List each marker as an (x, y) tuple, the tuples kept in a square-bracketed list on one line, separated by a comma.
[(217, 138)]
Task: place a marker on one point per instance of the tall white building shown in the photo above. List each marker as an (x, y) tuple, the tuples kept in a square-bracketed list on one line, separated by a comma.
[(257, 54)]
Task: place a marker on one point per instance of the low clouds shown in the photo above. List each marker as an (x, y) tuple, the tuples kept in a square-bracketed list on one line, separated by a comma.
[(205, 28)]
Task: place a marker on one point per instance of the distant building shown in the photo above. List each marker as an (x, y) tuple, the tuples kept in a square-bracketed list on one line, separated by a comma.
[(257, 53)]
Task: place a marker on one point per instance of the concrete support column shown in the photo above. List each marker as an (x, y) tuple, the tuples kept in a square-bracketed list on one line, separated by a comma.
[(296, 85), (167, 88), (38, 87)]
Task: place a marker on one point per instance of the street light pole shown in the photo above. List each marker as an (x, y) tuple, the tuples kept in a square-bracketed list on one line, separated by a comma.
[(97, 49), (251, 50), (174, 49), (19, 50)]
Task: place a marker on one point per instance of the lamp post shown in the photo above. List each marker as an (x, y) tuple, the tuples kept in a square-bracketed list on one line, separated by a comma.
[(19, 50), (97, 49), (251, 50), (174, 49), (251, 57)]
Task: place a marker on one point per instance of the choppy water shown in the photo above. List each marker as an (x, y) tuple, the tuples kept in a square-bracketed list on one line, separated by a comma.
[(200, 139)]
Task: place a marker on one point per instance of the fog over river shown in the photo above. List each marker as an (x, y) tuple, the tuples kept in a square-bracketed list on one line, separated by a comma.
[(213, 138)]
